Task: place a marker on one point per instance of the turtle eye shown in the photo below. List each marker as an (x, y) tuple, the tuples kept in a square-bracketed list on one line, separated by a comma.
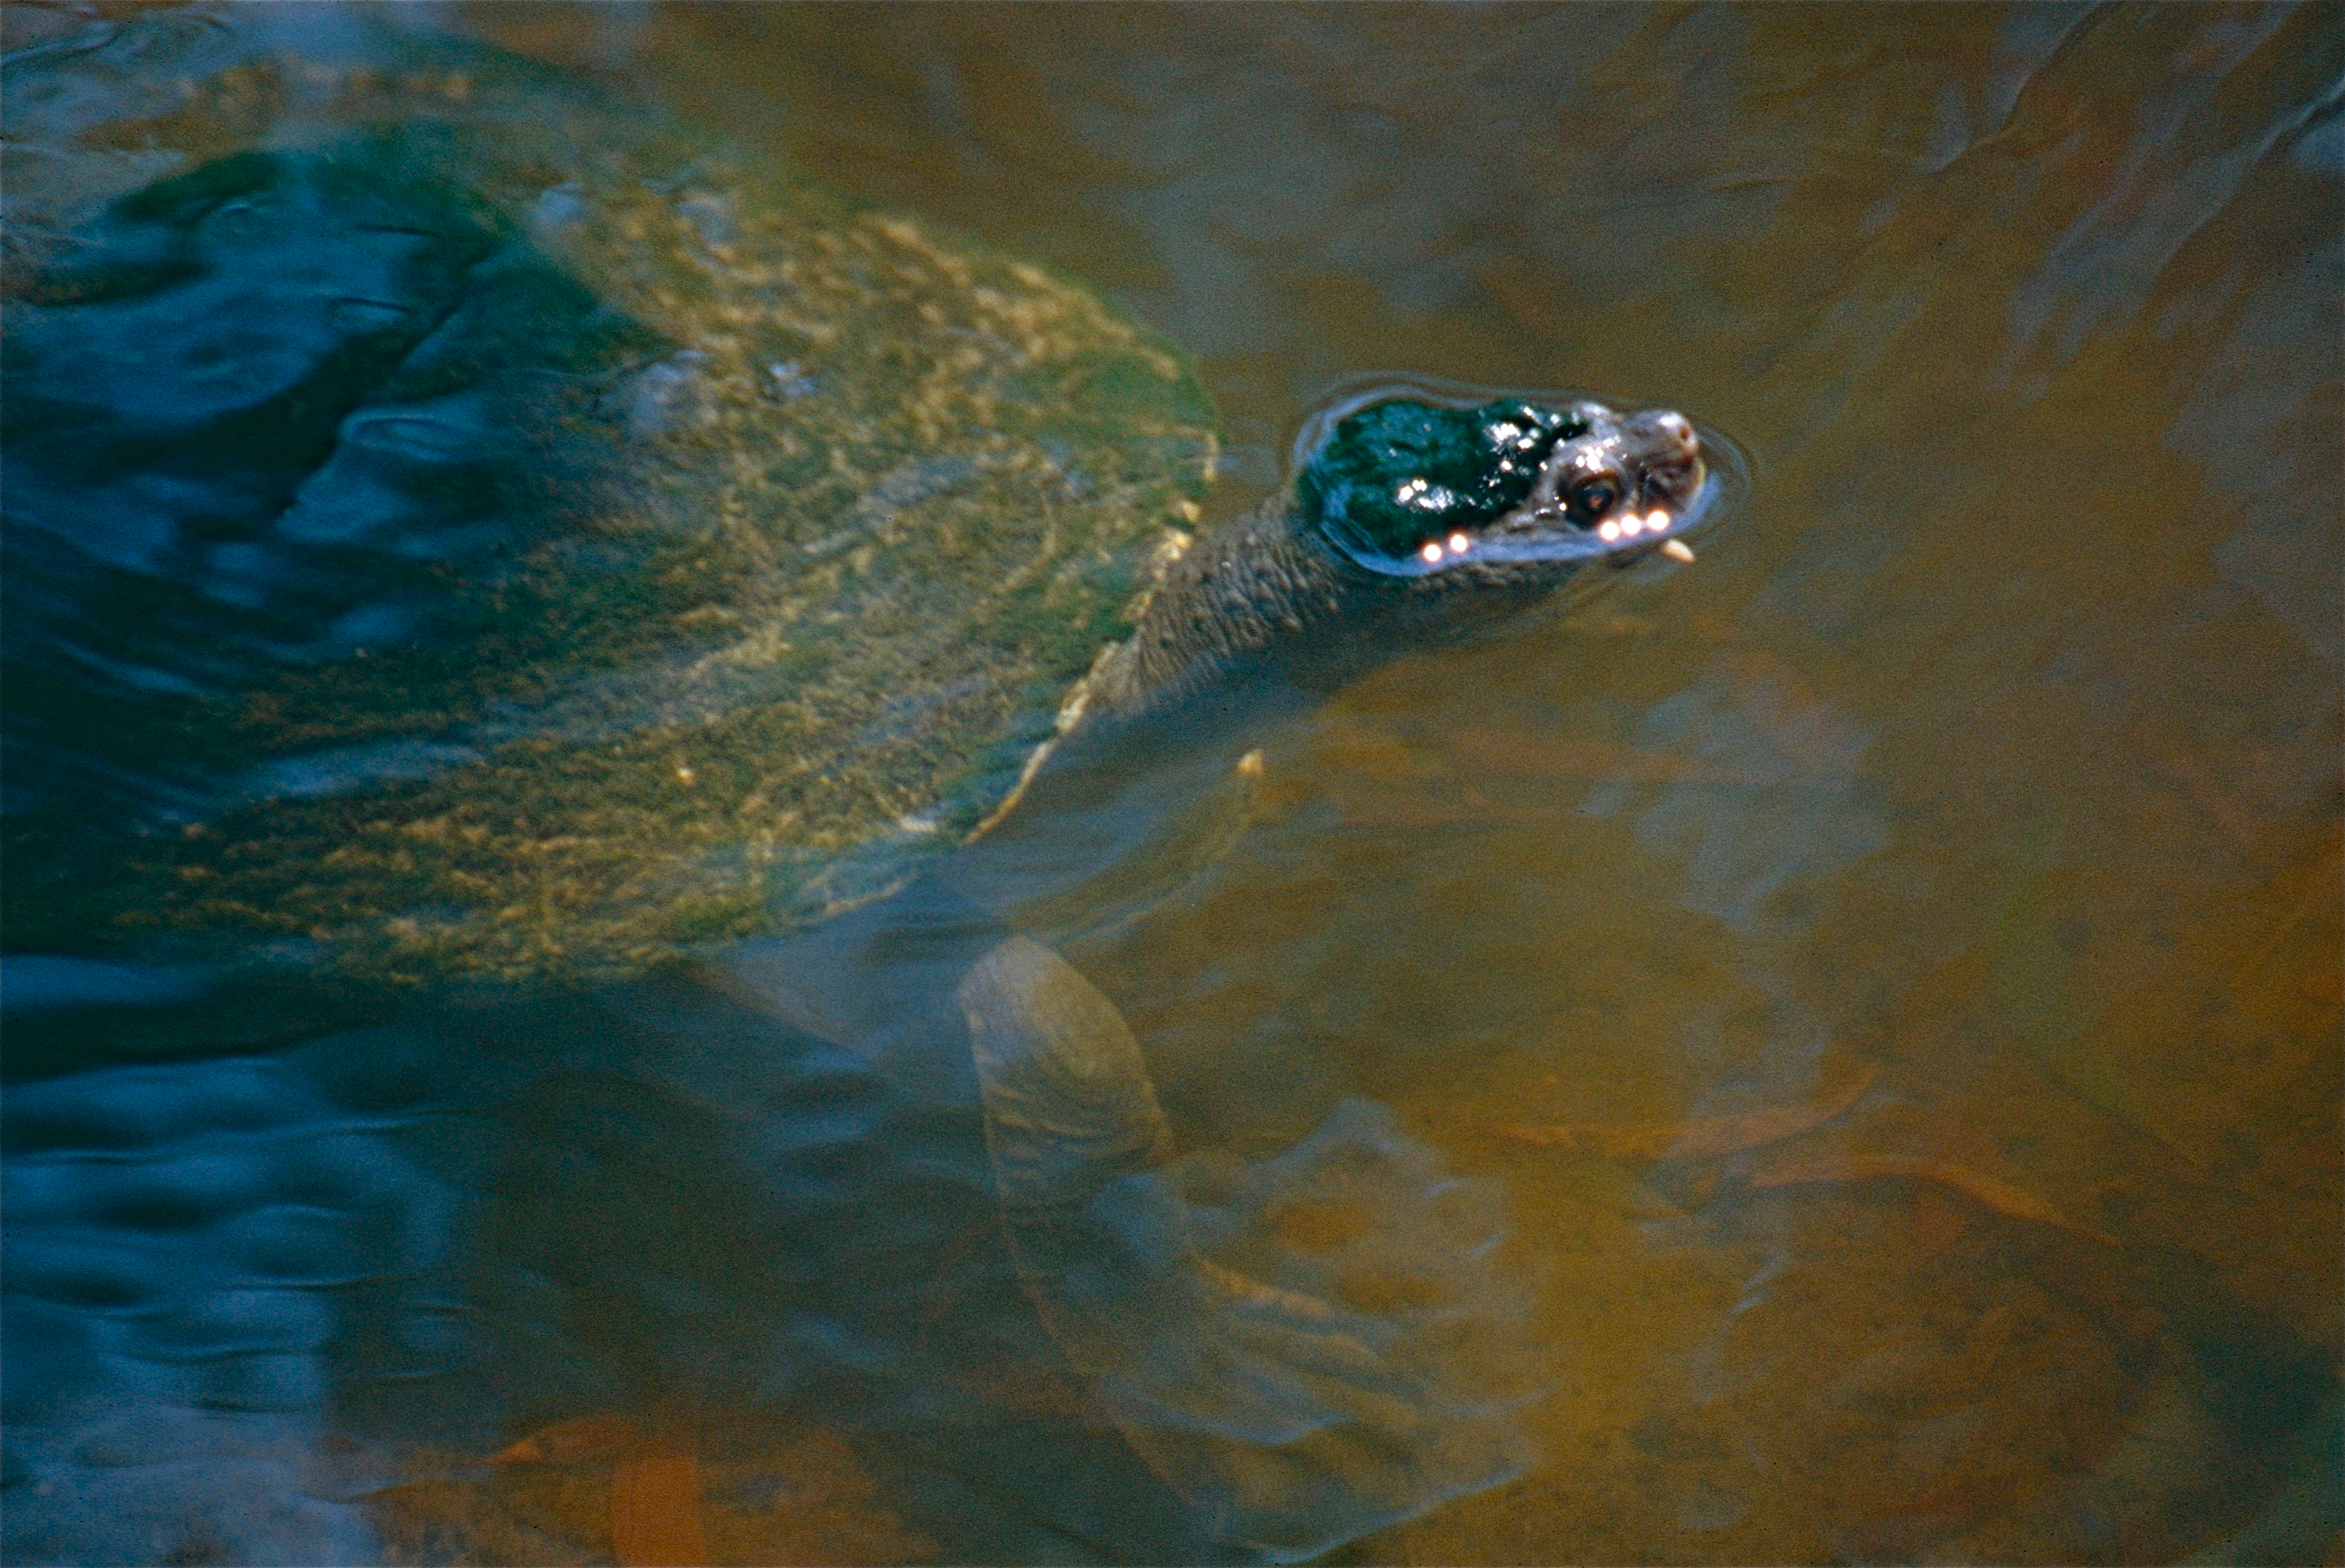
[(1592, 498)]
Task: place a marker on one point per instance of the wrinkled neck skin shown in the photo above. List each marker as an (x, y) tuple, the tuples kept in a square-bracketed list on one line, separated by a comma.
[(1262, 599), (1253, 598), (1248, 629), (1252, 627)]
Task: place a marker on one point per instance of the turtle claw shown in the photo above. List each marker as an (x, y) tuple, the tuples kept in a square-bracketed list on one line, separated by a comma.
[(1304, 1349)]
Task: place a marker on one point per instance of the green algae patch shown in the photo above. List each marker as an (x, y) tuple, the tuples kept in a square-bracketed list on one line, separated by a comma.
[(602, 544)]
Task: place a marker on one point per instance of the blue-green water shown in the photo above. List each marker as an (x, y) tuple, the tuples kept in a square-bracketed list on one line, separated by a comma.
[(1884, 978)]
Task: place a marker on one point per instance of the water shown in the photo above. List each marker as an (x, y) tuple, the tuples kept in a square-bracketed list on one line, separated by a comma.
[(1889, 970)]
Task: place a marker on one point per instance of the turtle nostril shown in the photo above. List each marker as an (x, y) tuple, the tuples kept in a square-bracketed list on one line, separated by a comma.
[(1677, 433)]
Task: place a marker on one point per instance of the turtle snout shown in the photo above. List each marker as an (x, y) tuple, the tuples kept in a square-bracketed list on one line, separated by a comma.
[(1668, 458)]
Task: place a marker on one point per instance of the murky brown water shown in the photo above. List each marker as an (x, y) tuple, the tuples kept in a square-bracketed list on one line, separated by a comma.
[(1892, 968)]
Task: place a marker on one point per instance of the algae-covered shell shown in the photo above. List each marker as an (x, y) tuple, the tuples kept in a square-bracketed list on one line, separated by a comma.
[(457, 522)]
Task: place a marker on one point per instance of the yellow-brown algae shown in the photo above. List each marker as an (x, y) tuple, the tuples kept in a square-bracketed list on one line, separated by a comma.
[(1993, 1192), (1700, 1137)]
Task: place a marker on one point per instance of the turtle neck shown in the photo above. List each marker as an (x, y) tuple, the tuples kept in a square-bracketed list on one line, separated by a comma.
[(1252, 591)]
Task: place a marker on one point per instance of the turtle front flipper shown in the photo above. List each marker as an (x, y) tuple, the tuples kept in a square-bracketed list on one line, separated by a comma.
[(1306, 1349)]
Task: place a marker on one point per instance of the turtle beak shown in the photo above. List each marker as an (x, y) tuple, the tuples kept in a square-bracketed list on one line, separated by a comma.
[(1661, 449), (1665, 453)]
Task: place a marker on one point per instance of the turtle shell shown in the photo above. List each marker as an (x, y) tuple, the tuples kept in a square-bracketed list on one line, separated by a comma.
[(457, 522)]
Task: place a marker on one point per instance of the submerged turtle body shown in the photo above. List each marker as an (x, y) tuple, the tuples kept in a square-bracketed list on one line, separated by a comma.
[(532, 538), (458, 526)]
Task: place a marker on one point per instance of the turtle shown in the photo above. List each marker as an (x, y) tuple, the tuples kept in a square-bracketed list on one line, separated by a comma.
[(607, 600)]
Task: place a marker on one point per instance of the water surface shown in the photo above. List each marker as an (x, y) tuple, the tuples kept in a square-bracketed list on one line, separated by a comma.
[(1889, 969)]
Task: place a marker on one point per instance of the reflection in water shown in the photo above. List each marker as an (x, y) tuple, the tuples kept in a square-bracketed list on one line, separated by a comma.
[(1990, 765)]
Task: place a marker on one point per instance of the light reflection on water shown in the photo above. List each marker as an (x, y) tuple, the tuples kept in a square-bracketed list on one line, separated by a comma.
[(1991, 762)]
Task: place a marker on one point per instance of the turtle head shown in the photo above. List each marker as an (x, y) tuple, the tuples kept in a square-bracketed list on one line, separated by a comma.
[(1420, 511), (1435, 492)]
